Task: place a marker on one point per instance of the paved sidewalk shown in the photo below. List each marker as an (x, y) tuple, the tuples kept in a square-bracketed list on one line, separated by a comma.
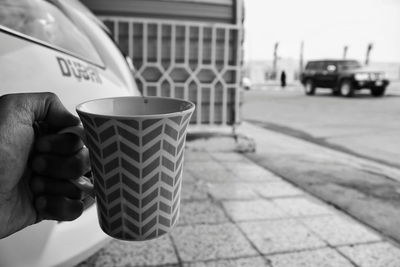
[(236, 213)]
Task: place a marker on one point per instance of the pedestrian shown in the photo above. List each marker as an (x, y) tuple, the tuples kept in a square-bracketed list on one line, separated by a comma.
[(283, 79), (36, 163)]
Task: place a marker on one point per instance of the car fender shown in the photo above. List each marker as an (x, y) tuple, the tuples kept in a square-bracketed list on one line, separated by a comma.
[(27, 67)]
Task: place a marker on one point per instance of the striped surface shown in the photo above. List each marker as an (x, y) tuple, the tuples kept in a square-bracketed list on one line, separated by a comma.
[(137, 165), (221, 11)]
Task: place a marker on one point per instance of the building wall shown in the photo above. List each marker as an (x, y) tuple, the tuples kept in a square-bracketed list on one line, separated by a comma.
[(185, 49), (222, 11)]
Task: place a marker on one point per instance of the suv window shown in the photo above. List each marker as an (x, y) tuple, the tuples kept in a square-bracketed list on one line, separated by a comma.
[(330, 66), (320, 65), (310, 66), (43, 21), (315, 65), (351, 64)]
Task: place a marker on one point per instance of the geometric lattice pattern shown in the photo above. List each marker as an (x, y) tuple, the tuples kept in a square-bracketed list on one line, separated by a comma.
[(195, 61), (137, 167)]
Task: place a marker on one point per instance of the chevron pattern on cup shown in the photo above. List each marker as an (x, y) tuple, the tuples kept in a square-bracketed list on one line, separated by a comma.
[(137, 166)]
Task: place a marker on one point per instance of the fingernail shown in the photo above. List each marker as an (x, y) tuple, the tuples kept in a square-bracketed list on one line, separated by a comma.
[(43, 146), (40, 203), (39, 164)]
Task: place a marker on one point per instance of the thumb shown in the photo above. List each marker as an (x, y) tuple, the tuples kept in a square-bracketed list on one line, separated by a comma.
[(47, 107)]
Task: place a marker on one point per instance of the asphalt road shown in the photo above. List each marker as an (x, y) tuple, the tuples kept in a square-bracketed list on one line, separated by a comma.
[(365, 126)]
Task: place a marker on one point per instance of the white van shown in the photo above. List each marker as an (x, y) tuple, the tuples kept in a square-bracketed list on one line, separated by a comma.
[(58, 46)]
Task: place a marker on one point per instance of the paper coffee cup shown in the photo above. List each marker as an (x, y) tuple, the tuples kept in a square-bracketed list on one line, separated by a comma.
[(136, 147)]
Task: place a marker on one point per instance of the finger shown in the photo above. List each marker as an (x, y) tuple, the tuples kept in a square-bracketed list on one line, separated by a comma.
[(62, 167), (58, 208), (49, 186), (61, 144), (43, 107), (47, 107)]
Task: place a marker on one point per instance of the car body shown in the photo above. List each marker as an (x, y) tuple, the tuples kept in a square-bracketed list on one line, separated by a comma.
[(58, 46), (246, 83), (343, 77)]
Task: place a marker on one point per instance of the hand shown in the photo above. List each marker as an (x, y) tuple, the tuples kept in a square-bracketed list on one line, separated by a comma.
[(36, 164)]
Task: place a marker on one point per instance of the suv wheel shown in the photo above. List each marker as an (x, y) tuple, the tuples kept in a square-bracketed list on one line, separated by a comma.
[(346, 88), (378, 91), (309, 87)]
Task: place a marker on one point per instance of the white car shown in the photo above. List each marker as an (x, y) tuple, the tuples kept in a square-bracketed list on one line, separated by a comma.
[(58, 46), (246, 83)]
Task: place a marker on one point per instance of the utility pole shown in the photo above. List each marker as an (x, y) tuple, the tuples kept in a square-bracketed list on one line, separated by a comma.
[(345, 48), (274, 63), (301, 57), (369, 48)]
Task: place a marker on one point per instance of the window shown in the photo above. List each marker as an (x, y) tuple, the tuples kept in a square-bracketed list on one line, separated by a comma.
[(351, 64), (310, 66), (315, 65), (43, 21), (331, 68), (319, 66)]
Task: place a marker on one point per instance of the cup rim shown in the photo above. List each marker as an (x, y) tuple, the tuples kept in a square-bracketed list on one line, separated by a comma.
[(190, 107)]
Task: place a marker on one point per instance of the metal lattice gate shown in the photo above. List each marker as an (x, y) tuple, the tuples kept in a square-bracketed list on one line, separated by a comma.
[(200, 62)]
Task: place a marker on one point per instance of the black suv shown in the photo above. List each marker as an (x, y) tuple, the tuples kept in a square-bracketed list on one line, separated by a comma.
[(343, 77)]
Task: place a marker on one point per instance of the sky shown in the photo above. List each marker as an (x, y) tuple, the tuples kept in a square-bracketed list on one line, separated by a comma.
[(325, 26)]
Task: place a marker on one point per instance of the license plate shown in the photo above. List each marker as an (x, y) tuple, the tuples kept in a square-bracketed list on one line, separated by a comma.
[(378, 83)]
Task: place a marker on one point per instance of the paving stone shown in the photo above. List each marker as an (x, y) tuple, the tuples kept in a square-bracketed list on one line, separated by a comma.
[(193, 191), (280, 236), (188, 177), (198, 212), (199, 167), (192, 156), (302, 206), (326, 257), (232, 190), (280, 189), (252, 175), (250, 171), (242, 166), (230, 157), (211, 242), (124, 253), (252, 210), (373, 255), (337, 230), (244, 262), (216, 172), (211, 174), (216, 176)]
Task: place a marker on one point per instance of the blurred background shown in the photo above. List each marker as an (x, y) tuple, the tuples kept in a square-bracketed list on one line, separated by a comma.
[(286, 31)]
